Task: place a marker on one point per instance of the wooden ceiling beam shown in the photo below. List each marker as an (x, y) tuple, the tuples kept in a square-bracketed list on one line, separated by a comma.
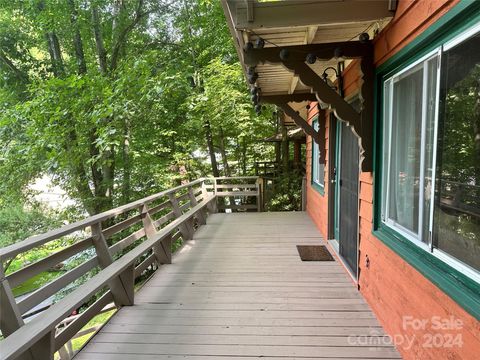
[(297, 97), (309, 36), (317, 136), (293, 13), (298, 53)]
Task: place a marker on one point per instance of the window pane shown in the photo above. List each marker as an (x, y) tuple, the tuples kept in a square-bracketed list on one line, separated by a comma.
[(431, 101), (386, 142), (404, 175), (457, 211), (318, 169)]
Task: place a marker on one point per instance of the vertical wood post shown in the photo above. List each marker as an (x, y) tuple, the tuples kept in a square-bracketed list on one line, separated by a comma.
[(259, 185), (186, 229), (304, 193), (201, 215), (44, 349), (10, 316), (215, 203), (162, 249), (121, 287), (205, 194)]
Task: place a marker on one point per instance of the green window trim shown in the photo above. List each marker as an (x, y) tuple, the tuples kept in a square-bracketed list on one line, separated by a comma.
[(319, 188), (463, 290)]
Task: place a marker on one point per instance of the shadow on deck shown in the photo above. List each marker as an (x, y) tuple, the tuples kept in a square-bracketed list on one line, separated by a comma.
[(239, 289)]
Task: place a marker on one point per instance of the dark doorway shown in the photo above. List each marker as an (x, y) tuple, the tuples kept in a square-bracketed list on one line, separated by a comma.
[(347, 189)]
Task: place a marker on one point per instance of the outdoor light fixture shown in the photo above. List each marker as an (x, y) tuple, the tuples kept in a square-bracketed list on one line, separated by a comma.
[(284, 54), (248, 46), (325, 75), (252, 78), (363, 38), (311, 58), (259, 43)]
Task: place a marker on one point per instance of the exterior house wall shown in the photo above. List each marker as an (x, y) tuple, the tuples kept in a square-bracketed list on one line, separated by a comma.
[(394, 289), (317, 204)]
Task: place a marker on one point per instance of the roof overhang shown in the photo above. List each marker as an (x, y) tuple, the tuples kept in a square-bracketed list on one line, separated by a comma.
[(299, 23), (328, 29)]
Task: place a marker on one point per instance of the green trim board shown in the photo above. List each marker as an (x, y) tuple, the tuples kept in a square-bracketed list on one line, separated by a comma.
[(338, 139), (320, 189), (455, 284)]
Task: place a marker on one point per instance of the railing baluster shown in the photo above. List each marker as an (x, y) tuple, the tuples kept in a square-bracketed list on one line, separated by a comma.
[(202, 216), (10, 317), (185, 228), (122, 286), (163, 249), (212, 206)]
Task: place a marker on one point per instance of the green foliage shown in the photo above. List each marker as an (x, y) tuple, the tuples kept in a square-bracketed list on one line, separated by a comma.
[(285, 194), (18, 222), (115, 109)]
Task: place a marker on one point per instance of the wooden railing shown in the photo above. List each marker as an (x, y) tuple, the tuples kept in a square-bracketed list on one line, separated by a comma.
[(237, 193), (118, 246)]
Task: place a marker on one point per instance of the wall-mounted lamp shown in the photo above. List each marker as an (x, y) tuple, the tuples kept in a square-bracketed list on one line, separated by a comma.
[(325, 77)]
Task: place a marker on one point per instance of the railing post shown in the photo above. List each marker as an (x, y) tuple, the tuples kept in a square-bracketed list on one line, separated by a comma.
[(162, 249), (259, 185), (44, 349), (211, 208), (122, 288), (304, 193), (215, 203), (201, 215), (10, 317), (186, 229)]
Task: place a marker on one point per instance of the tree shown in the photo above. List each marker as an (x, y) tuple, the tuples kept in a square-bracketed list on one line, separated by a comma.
[(115, 99)]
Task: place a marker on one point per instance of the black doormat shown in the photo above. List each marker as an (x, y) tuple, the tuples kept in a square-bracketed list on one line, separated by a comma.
[(314, 253)]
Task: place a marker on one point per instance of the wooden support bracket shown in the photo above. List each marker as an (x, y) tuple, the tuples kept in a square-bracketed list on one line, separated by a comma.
[(185, 228), (288, 110), (10, 317), (121, 287), (163, 254), (202, 214), (360, 123)]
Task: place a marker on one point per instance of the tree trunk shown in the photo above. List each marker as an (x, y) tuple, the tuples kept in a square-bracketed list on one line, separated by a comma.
[(101, 53), (55, 54), (77, 39), (126, 163), (211, 149), (476, 133), (20, 75), (285, 153), (244, 157), (226, 167)]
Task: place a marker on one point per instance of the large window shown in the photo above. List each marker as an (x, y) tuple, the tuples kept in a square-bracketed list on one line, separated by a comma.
[(431, 165), (318, 169)]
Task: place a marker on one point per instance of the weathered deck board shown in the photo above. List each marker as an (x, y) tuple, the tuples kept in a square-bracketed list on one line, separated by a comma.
[(240, 290)]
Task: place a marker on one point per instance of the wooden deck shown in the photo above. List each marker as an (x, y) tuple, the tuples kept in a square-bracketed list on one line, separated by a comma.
[(240, 290)]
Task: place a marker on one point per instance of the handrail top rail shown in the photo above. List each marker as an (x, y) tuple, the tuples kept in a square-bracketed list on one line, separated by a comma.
[(30, 333), (233, 178), (37, 240)]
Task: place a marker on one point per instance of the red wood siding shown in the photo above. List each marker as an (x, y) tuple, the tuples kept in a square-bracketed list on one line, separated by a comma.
[(317, 205), (392, 287)]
